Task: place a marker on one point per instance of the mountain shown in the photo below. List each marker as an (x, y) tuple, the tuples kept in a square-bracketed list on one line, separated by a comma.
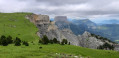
[(109, 31), (111, 21), (84, 39), (28, 27), (86, 22)]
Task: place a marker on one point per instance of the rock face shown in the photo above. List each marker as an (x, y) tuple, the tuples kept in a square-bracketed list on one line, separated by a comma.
[(86, 40), (39, 19), (51, 30), (61, 18), (46, 27)]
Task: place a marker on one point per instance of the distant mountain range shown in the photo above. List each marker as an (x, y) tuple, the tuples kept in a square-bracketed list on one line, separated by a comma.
[(109, 28), (111, 21)]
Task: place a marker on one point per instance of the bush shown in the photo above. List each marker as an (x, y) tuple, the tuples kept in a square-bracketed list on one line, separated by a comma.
[(9, 39), (54, 40), (69, 43), (5, 41), (25, 43), (40, 41), (64, 41), (45, 40), (51, 41), (106, 46), (17, 41)]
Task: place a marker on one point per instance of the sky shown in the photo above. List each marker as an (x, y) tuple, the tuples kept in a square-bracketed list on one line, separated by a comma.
[(91, 9)]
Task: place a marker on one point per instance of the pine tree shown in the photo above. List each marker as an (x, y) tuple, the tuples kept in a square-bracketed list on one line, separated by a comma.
[(4, 42), (17, 41), (55, 40), (51, 41), (9, 39), (69, 43), (25, 43), (45, 40)]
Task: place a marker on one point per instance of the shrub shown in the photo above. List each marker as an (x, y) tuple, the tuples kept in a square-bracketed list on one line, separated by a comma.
[(64, 41), (25, 43), (51, 41), (54, 40), (9, 39), (40, 41), (17, 41), (45, 40), (4, 42), (40, 47), (69, 43), (105, 46)]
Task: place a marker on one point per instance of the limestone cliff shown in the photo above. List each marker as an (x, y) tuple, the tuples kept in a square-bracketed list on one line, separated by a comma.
[(86, 40), (46, 27)]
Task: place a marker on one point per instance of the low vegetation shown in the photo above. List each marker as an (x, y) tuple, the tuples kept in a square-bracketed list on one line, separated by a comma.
[(45, 40), (102, 38), (106, 46)]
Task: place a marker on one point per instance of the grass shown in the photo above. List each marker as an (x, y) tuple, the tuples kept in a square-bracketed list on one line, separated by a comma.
[(16, 25), (49, 51)]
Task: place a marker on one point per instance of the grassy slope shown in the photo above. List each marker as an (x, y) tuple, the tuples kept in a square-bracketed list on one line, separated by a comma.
[(16, 25), (49, 51)]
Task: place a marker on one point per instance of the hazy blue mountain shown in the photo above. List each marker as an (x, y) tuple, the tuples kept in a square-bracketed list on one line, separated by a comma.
[(85, 22), (111, 21), (110, 31)]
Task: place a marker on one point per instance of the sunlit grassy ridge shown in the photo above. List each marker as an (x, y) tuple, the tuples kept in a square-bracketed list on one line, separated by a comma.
[(16, 25)]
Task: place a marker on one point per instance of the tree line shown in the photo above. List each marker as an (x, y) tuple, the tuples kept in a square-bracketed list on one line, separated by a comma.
[(106, 46), (4, 41), (45, 40)]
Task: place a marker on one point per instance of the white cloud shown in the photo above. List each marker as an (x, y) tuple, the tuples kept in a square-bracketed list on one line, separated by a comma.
[(70, 8)]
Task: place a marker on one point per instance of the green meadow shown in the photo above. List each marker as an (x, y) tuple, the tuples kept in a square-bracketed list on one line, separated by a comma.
[(53, 51), (16, 25)]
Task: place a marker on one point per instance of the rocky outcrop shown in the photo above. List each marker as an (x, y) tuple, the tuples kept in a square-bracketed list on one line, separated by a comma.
[(38, 19), (46, 27), (62, 22), (51, 30), (86, 40), (61, 18)]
